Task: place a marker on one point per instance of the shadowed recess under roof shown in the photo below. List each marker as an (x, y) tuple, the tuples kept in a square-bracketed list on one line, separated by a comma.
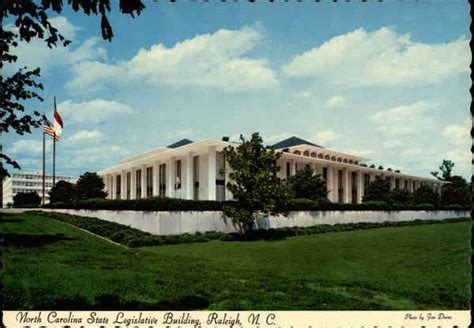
[(293, 141), (182, 142)]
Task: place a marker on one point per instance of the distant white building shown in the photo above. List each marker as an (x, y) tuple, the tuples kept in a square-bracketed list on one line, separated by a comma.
[(29, 182), (196, 170)]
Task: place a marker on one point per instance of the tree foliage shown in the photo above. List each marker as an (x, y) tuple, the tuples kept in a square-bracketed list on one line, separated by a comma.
[(305, 184), (254, 181), (90, 185), (378, 190), (457, 191), (30, 20), (26, 199), (446, 168), (63, 191), (425, 195)]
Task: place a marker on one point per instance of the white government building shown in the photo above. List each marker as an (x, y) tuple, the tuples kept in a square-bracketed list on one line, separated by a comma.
[(29, 182), (196, 170)]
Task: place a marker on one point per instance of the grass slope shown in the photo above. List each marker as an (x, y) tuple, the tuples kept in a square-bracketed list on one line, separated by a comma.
[(49, 264)]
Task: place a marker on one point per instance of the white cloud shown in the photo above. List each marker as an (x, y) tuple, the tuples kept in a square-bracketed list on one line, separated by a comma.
[(93, 111), (381, 57), (411, 152), (37, 54), (402, 120), (458, 134), (209, 60), (335, 101), (85, 136), (324, 137), (26, 147)]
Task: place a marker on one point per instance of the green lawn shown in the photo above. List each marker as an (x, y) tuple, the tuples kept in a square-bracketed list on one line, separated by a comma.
[(49, 264)]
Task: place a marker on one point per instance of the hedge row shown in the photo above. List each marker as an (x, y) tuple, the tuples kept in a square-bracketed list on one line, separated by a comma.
[(173, 204), (135, 238)]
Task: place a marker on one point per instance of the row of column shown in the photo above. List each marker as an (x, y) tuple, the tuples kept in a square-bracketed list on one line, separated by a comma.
[(346, 183), (186, 190)]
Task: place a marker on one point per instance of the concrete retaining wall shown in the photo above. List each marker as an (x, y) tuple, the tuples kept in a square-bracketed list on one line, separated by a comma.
[(172, 223)]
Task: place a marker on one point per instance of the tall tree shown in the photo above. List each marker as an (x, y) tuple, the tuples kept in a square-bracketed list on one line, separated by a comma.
[(25, 20), (446, 168), (90, 185), (254, 182)]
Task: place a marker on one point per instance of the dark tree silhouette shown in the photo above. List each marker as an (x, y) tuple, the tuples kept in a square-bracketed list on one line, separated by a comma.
[(90, 185), (63, 191), (31, 21), (26, 199)]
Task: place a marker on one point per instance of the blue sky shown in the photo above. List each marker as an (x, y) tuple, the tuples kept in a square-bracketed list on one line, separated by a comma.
[(387, 81)]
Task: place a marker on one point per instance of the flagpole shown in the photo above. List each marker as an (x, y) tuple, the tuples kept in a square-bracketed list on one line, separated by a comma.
[(44, 163), (54, 159)]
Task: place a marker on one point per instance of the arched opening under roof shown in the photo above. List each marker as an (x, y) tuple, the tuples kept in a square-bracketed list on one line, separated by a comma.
[(306, 153), (351, 161), (333, 158), (339, 159), (344, 160), (313, 154), (297, 152), (322, 156)]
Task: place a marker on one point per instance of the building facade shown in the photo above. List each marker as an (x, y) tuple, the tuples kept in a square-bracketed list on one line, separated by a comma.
[(197, 170), (29, 182)]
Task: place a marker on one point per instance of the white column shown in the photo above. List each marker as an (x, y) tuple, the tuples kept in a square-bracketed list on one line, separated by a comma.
[(155, 179), (189, 177), (346, 186), (392, 182), (133, 183), (211, 174), (360, 186), (330, 184), (114, 186), (170, 191), (123, 184), (292, 167)]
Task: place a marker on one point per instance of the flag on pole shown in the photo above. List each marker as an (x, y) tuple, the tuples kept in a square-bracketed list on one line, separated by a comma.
[(57, 120), (49, 130)]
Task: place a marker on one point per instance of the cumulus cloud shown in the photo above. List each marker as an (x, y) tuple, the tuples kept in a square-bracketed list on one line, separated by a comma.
[(458, 134), (85, 136), (402, 120), (381, 57), (26, 147), (37, 54), (324, 137), (215, 60), (93, 111), (335, 101)]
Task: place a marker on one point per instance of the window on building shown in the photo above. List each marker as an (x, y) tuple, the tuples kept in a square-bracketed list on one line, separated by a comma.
[(138, 184), (414, 185), (149, 181), (162, 177), (177, 184), (340, 189), (129, 184), (288, 169), (196, 177), (397, 183), (325, 173), (405, 185), (118, 188), (354, 187), (366, 181)]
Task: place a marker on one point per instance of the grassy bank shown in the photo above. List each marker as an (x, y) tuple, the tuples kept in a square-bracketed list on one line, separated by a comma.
[(50, 264)]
